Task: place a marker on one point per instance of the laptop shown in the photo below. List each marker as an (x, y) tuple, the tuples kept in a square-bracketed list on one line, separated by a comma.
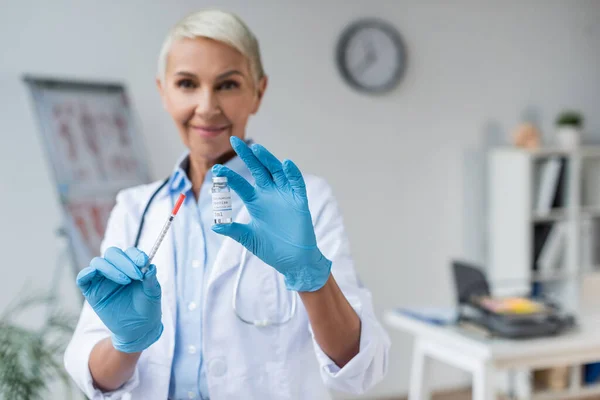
[(510, 317)]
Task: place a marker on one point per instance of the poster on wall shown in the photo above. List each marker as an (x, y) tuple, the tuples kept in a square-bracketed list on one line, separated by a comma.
[(92, 144), (87, 222)]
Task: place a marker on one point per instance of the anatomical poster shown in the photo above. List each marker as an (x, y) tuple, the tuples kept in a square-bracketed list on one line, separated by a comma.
[(94, 148), (89, 133)]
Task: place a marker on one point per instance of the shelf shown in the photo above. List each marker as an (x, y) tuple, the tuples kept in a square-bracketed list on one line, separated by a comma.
[(584, 152), (590, 151), (544, 214), (592, 271), (590, 211), (552, 276), (535, 153), (550, 152), (583, 391), (550, 216), (587, 151)]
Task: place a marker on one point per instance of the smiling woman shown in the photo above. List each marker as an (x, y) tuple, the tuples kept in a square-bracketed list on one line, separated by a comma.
[(210, 92), (210, 84), (175, 331)]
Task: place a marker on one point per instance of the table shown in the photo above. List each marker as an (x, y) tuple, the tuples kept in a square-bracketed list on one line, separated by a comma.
[(483, 357)]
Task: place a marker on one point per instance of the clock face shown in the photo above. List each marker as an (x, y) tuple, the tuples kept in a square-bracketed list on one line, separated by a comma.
[(371, 56)]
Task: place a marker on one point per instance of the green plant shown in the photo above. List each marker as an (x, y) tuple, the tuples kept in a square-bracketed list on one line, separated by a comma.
[(570, 118), (31, 359)]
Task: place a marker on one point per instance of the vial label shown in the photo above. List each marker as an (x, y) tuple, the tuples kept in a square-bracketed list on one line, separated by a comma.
[(221, 204)]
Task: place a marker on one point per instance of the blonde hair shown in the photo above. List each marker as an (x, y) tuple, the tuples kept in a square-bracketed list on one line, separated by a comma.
[(216, 25)]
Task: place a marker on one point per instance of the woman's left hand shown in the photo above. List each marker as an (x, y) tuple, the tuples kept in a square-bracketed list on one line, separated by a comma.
[(280, 232)]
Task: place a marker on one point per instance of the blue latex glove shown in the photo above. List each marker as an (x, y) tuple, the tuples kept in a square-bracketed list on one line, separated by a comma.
[(125, 300), (280, 232)]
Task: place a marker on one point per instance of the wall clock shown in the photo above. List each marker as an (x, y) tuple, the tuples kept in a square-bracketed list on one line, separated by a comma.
[(371, 56)]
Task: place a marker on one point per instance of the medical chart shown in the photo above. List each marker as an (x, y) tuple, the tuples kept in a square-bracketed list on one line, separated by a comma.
[(94, 148)]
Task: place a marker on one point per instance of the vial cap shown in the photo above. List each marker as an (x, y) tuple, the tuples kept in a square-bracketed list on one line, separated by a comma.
[(219, 179)]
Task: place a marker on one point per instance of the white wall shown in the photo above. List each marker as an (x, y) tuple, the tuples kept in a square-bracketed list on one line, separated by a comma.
[(475, 68)]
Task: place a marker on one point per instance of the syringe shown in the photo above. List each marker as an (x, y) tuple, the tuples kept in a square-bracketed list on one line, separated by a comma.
[(163, 232)]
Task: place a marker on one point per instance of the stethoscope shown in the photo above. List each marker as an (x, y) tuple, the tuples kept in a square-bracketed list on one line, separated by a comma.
[(256, 322)]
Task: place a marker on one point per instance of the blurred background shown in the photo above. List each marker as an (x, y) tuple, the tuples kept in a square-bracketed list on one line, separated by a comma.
[(474, 72)]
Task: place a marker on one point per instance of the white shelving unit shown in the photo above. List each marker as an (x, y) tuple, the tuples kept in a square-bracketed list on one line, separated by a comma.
[(515, 222), (518, 229)]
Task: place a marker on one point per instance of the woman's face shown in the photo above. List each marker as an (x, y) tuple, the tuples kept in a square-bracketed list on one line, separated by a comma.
[(210, 93)]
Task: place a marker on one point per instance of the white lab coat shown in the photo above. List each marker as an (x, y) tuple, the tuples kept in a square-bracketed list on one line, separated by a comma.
[(242, 361)]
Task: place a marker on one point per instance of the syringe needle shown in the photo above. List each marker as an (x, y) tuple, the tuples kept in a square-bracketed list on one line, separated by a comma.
[(163, 232)]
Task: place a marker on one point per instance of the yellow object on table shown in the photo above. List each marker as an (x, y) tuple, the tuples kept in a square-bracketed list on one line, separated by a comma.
[(511, 305)]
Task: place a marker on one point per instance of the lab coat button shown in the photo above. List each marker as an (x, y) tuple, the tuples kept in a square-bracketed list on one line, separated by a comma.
[(217, 367), (192, 306), (192, 349), (196, 264), (191, 395)]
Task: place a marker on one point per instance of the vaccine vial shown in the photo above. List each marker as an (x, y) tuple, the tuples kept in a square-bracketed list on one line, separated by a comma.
[(221, 200)]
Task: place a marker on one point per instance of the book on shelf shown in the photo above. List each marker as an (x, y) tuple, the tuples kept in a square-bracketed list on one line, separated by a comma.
[(541, 231), (552, 250), (550, 185), (549, 242)]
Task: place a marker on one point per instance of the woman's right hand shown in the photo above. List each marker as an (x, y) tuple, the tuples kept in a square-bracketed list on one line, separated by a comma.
[(127, 302)]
